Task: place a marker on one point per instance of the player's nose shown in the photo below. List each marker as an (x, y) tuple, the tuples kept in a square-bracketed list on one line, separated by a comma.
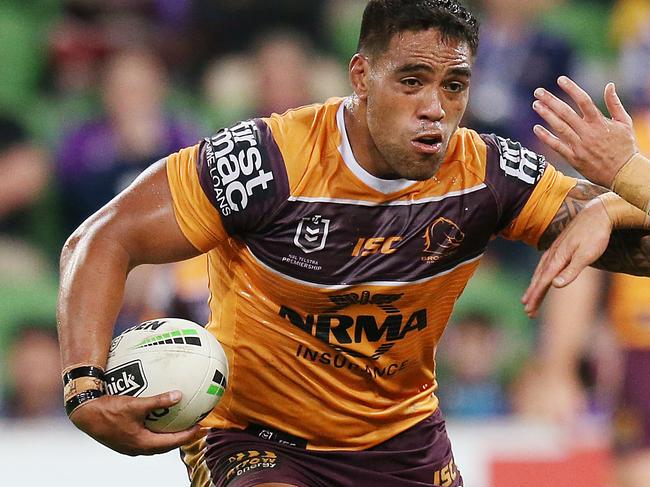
[(430, 107)]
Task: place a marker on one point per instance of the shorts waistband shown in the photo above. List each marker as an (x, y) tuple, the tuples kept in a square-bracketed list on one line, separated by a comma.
[(276, 436)]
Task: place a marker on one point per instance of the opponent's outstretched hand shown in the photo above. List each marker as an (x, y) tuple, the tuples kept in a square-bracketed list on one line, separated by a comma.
[(580, 244), (593, 144), (118, 423)]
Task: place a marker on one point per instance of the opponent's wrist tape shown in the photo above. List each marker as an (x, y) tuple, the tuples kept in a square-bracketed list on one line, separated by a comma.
[(81, 384), (623, 214), (632, 182)]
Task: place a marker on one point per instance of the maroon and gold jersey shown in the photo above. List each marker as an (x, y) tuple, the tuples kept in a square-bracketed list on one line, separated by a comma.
[(330, 288)]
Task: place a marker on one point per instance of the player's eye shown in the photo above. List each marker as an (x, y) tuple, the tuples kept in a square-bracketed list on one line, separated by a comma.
[(411, 82), (456, 86)]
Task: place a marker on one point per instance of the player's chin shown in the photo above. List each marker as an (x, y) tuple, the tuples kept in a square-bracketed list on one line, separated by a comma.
[(424, 168)]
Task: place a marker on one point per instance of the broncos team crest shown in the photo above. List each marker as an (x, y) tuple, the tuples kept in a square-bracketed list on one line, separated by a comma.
[(311, 233), (442, 238)]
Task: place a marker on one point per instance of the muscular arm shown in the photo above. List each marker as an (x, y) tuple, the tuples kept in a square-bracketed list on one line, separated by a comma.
[(628, 250), (136, 227)]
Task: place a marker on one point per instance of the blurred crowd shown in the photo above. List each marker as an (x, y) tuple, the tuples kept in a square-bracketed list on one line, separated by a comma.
[(92, 92)]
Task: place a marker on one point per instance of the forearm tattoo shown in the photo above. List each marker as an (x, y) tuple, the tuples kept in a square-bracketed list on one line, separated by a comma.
[(628, 250)]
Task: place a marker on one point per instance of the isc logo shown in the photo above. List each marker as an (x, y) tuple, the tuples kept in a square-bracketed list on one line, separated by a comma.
[(375, 245)]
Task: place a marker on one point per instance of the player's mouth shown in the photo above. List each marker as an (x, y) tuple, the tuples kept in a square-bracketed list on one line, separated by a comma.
[(428, 143)]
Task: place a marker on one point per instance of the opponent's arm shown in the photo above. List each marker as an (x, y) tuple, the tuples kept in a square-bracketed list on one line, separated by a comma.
[(595, 228), (136, 227), (603, 149)]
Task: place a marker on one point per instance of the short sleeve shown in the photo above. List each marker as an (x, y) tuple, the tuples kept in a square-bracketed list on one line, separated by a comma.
[(230, 184), (528, 190), (243, 175), (541, 207), (197, 218)]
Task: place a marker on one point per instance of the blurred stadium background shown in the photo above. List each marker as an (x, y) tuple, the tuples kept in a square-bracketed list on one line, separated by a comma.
[(92, 92)]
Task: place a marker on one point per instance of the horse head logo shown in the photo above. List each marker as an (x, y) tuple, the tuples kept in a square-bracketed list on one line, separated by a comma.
[(442, 236)]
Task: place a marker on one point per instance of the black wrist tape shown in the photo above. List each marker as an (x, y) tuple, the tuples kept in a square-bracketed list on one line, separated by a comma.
[(83, 371), (81, 398)]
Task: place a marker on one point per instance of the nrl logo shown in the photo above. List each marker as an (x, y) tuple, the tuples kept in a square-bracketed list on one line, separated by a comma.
[(311, 234)]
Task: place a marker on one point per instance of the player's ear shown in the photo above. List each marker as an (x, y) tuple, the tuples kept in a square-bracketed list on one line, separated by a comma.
[(359, 71)]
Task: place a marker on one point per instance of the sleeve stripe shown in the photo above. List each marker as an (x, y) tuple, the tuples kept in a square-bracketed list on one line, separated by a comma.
[(541, 208)]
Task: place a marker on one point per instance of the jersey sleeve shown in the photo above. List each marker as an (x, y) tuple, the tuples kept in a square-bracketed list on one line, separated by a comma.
[(196, 217), (231, 184), (528, 191)]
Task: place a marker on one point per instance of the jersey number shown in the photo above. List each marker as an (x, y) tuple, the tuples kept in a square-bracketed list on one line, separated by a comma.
[(519, 162)]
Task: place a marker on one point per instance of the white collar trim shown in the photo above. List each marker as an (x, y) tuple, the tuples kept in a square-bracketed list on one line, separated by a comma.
[(385, 186)]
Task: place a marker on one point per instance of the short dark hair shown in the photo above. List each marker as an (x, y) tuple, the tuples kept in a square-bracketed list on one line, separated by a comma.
[(382, 19)]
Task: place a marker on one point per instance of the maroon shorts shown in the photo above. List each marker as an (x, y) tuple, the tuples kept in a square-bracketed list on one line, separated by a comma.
[(632, 416), (419, 456)]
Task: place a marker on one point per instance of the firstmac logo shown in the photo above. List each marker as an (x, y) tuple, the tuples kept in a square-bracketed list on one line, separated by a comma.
[(238, 171), (126, 380)]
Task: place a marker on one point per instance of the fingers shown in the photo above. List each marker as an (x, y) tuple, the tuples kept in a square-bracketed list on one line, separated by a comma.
[(536, 275), (531, 297), (553, 142), (559, 107), (535, 294), (580, 97), (565, 277), (147, 404), (148, 442), (615, 106), (163, 442), (569, 274), (552, 264), (119, 423), (559, 126), (559, 267)]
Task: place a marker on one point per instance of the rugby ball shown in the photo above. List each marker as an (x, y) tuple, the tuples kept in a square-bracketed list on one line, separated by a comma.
[(168, 354)]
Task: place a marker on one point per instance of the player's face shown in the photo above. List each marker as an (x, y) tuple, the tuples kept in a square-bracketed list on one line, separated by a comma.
[(417, 92)]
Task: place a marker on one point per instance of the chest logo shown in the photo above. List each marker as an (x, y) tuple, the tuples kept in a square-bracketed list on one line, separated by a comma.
[(311, 234), (375, 245), (441, 238), (349, 327)]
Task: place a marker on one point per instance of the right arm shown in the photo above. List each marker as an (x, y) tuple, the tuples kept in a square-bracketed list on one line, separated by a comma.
[(136, 227)]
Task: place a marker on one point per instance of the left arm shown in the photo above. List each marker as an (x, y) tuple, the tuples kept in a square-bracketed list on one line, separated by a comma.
[(590, 229), (628, 250)]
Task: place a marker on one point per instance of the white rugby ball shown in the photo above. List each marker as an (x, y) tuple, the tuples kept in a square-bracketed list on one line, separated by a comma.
[(169, 354)]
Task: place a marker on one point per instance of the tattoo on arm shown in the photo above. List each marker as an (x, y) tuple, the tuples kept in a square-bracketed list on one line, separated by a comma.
[(575, 201), (628, 250)]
